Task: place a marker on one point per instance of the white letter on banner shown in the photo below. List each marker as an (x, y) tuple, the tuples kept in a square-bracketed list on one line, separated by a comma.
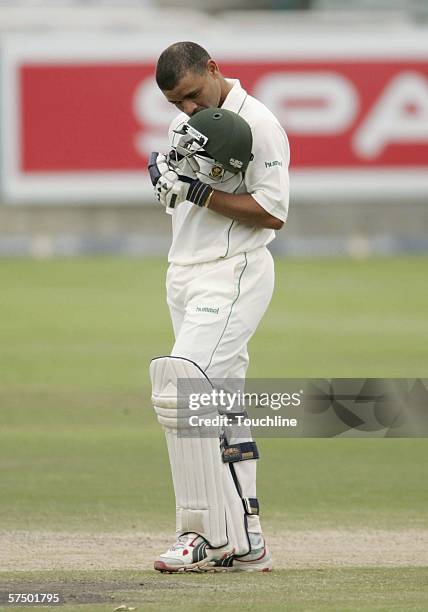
[(152, 109), (400, 116), (310, 102)]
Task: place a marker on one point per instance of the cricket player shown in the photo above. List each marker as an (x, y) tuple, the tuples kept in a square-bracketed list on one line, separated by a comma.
[(225, 184)]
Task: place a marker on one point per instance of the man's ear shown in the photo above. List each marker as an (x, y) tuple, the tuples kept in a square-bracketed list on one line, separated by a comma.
[(212, 67)]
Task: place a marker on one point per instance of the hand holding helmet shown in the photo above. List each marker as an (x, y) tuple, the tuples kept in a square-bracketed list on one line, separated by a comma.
[(215, 134), (162, 177), (171, 188)]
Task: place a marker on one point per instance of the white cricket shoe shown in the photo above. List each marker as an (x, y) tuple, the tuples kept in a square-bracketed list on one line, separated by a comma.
[(259, 559), (189, 553)]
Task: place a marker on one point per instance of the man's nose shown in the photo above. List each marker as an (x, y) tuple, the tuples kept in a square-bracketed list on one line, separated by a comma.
[(189, 107)]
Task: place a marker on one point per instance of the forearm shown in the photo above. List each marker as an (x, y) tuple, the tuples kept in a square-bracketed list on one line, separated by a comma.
[(244, 208)]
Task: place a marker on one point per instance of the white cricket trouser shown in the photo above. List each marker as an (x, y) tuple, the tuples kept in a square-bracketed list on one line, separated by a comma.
[(215, 308)]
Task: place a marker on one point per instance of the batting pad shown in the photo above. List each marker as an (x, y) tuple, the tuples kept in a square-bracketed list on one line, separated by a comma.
[(207, 500)]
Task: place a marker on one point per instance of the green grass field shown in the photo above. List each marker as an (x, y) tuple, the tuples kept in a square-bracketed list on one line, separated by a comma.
[(81, 453)]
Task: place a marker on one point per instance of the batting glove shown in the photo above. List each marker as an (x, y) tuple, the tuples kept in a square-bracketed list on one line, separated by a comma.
[(171, 188), (162, 177)]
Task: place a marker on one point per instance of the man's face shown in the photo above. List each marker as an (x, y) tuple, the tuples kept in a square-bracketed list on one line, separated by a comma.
[(194, 91)]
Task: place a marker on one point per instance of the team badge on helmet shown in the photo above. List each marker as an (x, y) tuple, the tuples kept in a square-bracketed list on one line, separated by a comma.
[(216, 172)]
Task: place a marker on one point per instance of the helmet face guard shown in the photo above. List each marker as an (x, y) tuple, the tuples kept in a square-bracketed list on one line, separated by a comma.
[(187, 143), (214, 142), (193, 135), (188, 156)]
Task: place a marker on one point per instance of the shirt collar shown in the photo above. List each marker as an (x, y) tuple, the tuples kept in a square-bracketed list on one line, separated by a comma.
[(236, 96)]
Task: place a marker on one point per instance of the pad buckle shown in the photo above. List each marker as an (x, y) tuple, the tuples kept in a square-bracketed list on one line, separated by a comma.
[(251, 505), (238, 452)]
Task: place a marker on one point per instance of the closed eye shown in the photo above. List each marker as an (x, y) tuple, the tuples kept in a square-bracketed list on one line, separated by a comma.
[(190, 96)]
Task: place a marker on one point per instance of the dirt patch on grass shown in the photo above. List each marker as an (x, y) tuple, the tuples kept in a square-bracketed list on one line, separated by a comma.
[(31, 551)]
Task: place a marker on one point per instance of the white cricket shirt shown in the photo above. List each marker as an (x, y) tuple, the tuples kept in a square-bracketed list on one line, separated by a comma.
[(200, 235)]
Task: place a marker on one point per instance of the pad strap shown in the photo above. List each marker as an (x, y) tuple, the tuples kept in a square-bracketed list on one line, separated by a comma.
[(238, 452)]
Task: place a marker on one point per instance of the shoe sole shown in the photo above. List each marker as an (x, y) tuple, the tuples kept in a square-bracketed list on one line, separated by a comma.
[(256, 565), (162, 567), (236, 570), (262, 570)]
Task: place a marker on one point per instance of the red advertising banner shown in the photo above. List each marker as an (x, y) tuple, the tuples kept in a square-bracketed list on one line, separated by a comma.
[(79, 122), (80, 118), (337, 115)]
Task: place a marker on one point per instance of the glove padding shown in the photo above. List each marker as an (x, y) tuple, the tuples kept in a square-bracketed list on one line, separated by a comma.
[(171, 188), (157, 167)]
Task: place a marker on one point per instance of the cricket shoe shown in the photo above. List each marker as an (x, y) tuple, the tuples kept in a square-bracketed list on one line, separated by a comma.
[(259, 559), (189, 554)]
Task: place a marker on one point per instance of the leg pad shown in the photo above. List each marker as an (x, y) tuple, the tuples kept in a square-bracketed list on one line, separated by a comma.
[(207, 500)]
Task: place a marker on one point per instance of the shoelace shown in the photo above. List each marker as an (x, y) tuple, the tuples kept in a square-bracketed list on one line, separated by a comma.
[(182, 542)]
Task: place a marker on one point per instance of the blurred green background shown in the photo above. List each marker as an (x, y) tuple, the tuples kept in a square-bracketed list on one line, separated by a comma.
[(79, 445)]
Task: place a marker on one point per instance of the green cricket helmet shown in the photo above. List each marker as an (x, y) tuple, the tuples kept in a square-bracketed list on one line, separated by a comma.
[(218, 134)]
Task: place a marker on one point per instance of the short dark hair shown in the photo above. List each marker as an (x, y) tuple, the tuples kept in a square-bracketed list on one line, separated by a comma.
[(176, 60)]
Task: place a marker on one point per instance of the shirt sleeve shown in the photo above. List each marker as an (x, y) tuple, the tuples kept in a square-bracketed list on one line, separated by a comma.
[(266, 178)]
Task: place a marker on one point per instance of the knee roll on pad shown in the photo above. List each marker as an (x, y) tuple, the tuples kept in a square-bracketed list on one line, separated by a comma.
[(207, 498)]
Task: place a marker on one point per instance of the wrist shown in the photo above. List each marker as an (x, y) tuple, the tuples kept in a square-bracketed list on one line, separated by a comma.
[(199, 193)]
